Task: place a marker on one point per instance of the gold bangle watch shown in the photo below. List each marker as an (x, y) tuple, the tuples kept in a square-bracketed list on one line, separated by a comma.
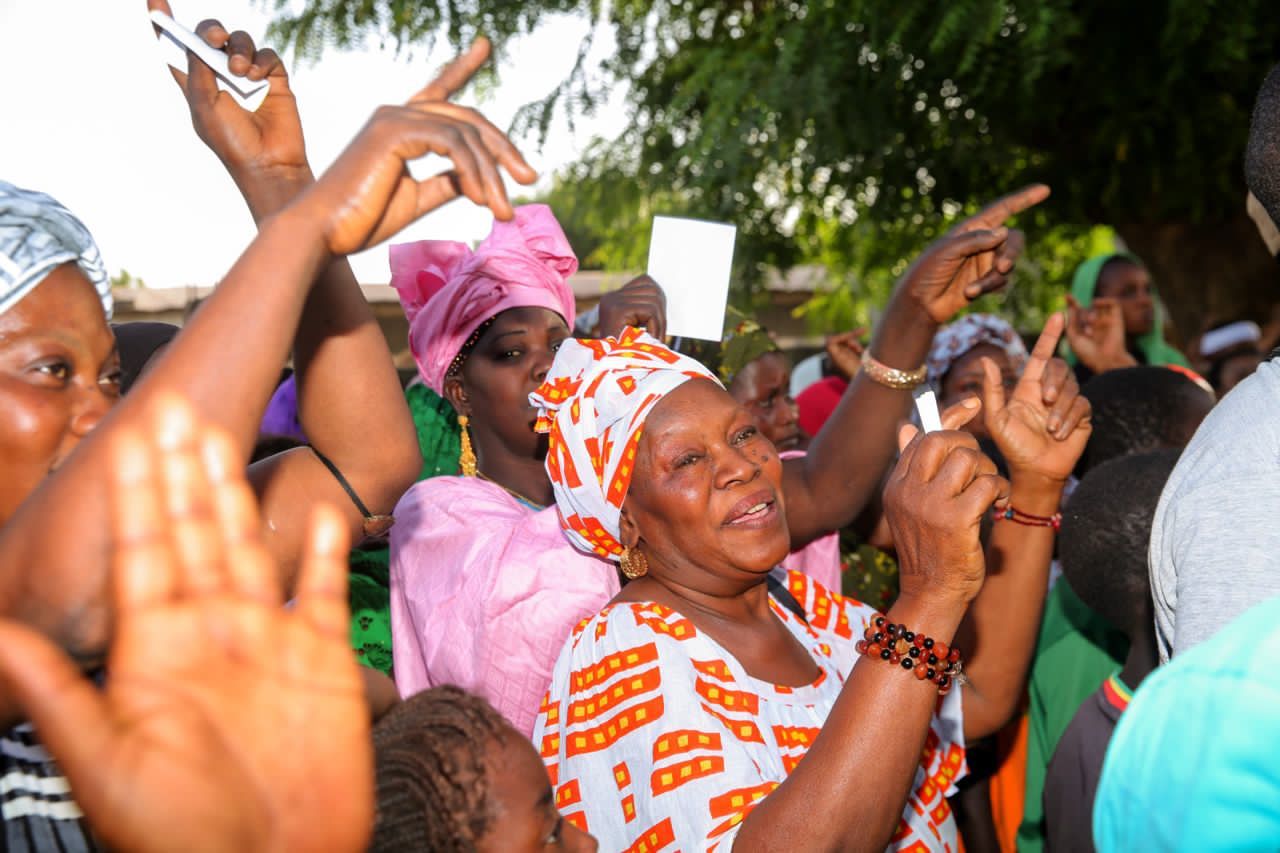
[(892, 377)]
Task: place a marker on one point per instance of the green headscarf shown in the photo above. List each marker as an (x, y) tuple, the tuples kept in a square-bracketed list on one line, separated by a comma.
[(744, 341), (1157, 351)]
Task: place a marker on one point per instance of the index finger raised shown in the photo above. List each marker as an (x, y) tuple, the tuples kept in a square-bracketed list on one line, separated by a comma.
[(1046, 346), (998, 211), (456, 74)]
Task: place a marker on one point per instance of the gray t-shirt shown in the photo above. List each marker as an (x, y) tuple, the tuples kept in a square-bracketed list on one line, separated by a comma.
[(1215, 539)]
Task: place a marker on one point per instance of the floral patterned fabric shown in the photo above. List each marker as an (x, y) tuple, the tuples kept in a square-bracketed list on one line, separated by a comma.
[(956, 339)]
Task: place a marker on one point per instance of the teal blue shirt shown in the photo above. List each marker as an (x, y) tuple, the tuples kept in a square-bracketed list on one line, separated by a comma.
[(1194, 763)]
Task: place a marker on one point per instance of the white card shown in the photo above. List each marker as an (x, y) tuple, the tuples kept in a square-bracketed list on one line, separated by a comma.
[(177, 40), (927, 407), (692, 261)]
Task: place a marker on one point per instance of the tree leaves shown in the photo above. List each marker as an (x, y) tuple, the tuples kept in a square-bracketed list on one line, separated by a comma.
[(816, 125)]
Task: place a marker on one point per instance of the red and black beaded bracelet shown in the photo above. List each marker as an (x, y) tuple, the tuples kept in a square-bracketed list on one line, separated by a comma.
[(1017, 516), (928, 659)]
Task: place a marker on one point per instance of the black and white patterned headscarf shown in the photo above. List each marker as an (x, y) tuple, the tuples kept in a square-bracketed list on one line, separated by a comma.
[(36, 235)]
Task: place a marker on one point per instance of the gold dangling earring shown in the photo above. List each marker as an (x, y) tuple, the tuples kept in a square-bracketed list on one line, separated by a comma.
[(467, 456), (633, 563)]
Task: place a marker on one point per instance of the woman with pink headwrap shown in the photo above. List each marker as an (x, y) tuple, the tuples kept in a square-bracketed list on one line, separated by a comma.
[(484, 588)]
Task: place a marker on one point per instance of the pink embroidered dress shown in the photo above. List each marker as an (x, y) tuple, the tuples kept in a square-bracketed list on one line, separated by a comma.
[(484, 593)]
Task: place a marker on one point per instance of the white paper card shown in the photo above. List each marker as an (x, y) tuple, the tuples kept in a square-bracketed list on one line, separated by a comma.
[(177, 40), (927, 407), (692, 261)]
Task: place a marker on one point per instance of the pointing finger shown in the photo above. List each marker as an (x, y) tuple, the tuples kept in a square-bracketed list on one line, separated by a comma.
[(1006, 206), (457, 73)]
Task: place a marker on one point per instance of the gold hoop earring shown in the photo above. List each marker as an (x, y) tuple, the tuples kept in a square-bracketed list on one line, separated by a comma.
[(633, 563), (467, 456)]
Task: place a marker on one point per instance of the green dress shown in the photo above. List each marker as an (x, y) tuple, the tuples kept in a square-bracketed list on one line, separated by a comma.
[(370, 592), (1077, 650)]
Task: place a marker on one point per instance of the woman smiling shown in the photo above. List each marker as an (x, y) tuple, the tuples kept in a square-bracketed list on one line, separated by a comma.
[(717, 702)]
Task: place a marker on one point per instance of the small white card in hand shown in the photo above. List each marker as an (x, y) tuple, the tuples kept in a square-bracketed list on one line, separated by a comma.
[(927, 407), (692, 261), (177, 40)]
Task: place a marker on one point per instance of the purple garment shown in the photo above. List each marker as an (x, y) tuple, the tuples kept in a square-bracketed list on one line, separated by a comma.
[(281, 417)]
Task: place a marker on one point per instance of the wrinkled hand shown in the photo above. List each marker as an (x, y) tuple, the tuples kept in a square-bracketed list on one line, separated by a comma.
[(368, 194), (934, 502), (973, 259), (1042, 428), (250, 144), (227, 722), (639, 303), (845, 351), (1096, 335)]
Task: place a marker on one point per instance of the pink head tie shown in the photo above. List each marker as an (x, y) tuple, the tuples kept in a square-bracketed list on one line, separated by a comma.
[(448, 291)]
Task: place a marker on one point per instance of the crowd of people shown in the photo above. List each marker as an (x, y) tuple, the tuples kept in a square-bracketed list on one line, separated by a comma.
[(575, 589)]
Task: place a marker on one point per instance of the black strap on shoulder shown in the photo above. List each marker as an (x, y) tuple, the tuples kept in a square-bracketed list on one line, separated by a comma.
[(342, 481), (779, 591), (375, 526)]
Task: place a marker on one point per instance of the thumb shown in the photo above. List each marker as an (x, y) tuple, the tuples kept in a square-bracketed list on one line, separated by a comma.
[(955, 417), (906, 433), (69, 713), (992, 387), (179, 77)]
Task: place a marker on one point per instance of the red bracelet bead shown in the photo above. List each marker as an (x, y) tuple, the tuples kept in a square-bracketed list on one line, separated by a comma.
[(928, 659)]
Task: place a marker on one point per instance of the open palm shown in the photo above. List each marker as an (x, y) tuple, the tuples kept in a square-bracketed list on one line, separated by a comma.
[(1036, 436), (227, 721)]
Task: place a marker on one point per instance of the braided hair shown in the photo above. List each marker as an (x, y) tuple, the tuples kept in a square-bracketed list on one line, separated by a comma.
[(432, 786)]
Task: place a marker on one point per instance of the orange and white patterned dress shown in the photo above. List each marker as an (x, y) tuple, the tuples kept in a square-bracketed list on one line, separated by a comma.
[(655, 737)]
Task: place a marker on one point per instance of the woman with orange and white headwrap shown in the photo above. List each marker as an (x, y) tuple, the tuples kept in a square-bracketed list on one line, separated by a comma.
[(720, 703)]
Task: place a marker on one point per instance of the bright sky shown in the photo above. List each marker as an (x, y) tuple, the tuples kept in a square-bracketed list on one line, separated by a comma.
[(91, 116)]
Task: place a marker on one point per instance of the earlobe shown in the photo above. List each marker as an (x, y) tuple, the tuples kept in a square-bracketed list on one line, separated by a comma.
[(456, 394), (628, 533)]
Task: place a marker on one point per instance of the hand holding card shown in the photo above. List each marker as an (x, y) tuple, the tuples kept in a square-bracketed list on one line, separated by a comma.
[(179, 41), (692, 261)]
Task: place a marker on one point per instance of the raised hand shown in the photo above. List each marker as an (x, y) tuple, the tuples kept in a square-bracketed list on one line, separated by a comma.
[(1096, 335), (639, 303), (369, 194), (1042, 428), (227, 722), (934, 502), (845, 351), (973, 259), (251, 145)]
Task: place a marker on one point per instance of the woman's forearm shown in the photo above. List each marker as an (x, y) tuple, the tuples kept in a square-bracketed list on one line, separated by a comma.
[(54, 551), (849, 791), (829, 487), (998, 636), (348, 389)]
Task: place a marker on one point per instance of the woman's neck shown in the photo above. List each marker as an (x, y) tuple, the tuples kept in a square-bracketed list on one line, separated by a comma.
[(525, 477), (738, 606)]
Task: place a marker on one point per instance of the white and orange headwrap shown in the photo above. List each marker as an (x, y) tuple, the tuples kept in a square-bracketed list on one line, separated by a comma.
[(593, 404)]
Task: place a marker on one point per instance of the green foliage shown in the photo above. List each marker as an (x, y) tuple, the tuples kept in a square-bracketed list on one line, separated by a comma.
[(850, 132), (125, 279)]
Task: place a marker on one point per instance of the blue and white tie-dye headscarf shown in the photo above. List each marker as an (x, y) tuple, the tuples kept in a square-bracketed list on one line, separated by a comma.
[(38, 234)]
